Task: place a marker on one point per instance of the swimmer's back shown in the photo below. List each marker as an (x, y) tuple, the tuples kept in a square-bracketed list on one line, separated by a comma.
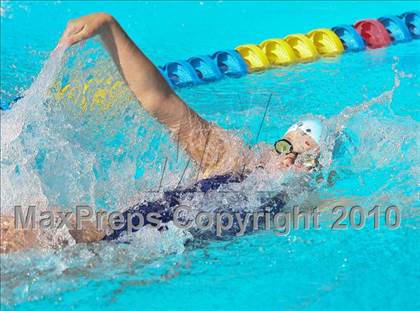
[(166, 207)]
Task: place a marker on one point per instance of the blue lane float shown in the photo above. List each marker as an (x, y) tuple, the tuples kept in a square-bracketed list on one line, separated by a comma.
[(350, 38), (396, 28), (181, 74), (230, 63), (412, 21), (205, 68), (165, 75)]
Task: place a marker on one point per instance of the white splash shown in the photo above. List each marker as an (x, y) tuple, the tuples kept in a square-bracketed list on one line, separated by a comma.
[(16, 174)]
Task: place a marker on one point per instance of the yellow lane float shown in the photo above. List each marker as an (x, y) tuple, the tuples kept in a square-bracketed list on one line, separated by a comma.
[(326, 42), (278, 52), (253, 56), (304, 49), (100, 93)]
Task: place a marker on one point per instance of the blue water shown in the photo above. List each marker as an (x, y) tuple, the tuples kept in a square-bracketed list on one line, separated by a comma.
[(107, 158)]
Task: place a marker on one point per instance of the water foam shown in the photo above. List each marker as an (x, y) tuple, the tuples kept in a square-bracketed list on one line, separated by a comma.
[(16, 174)]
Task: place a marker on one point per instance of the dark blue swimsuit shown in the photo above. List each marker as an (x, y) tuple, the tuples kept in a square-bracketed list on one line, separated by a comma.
[(166, 206)]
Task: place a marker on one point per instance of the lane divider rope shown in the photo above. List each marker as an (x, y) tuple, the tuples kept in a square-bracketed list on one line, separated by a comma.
[(293, 49)]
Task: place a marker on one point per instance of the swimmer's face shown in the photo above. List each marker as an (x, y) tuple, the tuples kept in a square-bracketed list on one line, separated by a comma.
[(302, 143)]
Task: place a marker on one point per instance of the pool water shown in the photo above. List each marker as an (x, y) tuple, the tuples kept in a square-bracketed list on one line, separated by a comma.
[(63, 151)]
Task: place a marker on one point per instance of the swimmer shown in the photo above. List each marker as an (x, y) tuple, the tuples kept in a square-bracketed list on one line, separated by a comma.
[(220, 157)]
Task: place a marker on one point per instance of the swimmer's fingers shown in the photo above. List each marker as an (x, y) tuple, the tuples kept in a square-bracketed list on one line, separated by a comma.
[(83, 28), (76, 38), (73, 27), (74, 33)]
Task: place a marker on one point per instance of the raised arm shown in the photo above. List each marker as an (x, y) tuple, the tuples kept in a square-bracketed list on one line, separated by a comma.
[(204, 142)]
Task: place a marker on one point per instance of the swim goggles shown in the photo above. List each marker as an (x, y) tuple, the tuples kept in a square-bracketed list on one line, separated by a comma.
[(284, 147)]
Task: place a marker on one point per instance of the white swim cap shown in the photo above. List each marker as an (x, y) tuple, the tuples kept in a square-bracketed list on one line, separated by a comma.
[(313, 128)]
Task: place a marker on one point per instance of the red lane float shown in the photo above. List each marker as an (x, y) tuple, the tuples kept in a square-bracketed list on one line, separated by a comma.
[(374, 33)]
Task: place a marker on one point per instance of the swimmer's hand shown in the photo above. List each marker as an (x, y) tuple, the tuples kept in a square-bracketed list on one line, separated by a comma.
[(84, 28)]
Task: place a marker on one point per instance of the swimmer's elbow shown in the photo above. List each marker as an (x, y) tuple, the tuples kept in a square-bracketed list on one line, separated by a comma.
[(107, 17)]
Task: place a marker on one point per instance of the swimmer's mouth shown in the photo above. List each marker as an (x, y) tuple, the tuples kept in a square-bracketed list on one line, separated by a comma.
[(309, 161)]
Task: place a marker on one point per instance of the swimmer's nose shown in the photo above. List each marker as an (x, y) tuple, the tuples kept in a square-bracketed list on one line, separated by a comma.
[(289, 160)]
